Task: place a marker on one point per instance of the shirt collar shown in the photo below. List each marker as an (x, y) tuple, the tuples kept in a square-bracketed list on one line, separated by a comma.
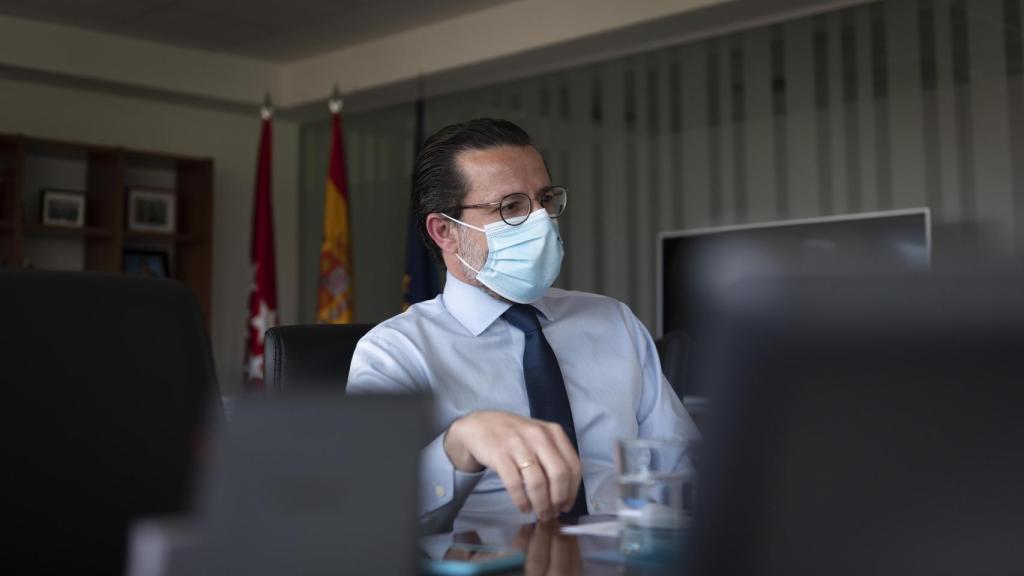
[(476, 309)]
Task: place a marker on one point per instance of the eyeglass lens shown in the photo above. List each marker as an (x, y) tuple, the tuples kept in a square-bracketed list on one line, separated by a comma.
[(516, 208)]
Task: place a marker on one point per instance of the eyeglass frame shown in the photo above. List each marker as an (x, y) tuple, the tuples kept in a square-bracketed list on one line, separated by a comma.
[(565, 193)]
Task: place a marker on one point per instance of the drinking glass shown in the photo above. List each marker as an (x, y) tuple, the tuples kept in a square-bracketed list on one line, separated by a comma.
[(657, 484)]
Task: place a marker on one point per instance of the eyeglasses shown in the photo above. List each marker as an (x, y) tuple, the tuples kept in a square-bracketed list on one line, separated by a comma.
[(517, 206)]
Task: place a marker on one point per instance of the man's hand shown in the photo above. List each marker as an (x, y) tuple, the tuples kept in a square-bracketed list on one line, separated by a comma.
[(535, 459)]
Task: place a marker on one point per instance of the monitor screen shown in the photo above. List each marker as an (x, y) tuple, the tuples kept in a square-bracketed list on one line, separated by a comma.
[(697, 264)]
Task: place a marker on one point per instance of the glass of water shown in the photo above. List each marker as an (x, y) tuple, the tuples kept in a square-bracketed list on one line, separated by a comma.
[(657, 484)]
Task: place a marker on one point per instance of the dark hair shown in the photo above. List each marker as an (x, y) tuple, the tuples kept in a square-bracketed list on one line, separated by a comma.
[(437, 183)]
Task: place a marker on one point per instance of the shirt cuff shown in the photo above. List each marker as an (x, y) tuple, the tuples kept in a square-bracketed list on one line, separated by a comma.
[(441, 484)]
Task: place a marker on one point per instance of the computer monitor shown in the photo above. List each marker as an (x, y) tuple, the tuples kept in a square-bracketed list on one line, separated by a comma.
[(695, 265)]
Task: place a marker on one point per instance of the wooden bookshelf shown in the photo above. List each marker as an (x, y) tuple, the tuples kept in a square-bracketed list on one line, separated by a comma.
[(104, 174), (31, 230), (176, 237)]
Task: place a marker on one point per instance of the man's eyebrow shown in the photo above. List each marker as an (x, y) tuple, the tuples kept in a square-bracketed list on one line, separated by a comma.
[(542, 190), (499, 195)]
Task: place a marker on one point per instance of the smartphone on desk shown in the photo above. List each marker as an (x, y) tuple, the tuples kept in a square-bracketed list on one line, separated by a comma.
[(469, 559)]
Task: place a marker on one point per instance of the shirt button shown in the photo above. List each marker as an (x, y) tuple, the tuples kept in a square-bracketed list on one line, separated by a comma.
[(439, 490)]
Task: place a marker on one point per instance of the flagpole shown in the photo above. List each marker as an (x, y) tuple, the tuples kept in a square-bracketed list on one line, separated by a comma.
[(267, 110), (335, 104)]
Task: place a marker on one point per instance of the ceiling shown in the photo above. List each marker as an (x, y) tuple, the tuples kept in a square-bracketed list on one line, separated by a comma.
[(270, 30)]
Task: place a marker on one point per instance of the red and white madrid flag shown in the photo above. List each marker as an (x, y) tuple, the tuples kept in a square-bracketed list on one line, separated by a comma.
[(263, 291)]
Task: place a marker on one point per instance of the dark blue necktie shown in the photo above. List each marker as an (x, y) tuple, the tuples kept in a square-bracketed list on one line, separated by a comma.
[(544, 385)]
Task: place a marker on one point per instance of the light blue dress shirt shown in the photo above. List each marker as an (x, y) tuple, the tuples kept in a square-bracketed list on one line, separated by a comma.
[(458, 348)]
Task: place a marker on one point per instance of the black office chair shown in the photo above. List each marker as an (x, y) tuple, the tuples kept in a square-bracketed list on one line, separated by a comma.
[(108, 383), (674, 350), (310, 356)]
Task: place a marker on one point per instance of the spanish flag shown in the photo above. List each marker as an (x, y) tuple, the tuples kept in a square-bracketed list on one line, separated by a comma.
[(334, 298)]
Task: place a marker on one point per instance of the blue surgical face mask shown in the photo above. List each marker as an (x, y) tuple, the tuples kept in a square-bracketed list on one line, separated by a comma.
[(522, 261)]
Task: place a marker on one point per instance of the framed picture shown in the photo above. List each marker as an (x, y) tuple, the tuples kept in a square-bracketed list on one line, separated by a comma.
[(151, 210), (63, 208), (146, 263)]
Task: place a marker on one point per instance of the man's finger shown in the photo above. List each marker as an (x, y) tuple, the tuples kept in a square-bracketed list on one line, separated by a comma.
[(572, 459), (536, 482), (559, 474), (513, 481), (564, 445)]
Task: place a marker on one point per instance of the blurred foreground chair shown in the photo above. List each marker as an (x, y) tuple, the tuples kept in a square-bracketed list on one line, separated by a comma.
[(310, 356), (108, 382)]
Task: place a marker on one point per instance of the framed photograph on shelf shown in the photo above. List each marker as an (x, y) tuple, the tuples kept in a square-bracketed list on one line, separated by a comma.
[(147, 263), (62, 208), (151, 210)]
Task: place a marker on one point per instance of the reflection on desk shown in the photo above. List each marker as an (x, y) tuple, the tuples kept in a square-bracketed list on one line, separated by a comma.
[(548, 550)]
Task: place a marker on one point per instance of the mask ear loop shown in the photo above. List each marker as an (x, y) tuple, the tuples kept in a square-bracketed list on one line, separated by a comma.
[(457, 255), (466, 264), (457, 221)]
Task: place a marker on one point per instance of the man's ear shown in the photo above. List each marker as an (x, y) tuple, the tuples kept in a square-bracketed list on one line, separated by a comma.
[(442, 232)]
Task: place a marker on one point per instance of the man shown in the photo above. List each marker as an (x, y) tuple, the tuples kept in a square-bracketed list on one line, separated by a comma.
[(526, 413)]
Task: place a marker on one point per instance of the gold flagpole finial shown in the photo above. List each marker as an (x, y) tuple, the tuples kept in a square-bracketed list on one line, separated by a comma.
[(267, 110), (335, 103)]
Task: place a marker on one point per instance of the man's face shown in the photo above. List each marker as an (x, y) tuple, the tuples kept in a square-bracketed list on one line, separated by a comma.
[(491, 175)]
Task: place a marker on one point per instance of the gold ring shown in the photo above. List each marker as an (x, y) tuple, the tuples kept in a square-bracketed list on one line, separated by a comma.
[(526, 464)]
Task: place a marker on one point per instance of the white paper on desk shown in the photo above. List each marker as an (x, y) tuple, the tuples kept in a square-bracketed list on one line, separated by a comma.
[(608, 529)]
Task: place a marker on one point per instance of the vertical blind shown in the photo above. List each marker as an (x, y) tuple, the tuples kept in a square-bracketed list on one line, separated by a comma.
[(893, 104)]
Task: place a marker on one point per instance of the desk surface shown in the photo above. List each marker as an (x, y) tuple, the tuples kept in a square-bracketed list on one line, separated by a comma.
[(548, 550)]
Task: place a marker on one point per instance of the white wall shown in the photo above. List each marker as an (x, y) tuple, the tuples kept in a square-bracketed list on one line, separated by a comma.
[(230, 138)]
